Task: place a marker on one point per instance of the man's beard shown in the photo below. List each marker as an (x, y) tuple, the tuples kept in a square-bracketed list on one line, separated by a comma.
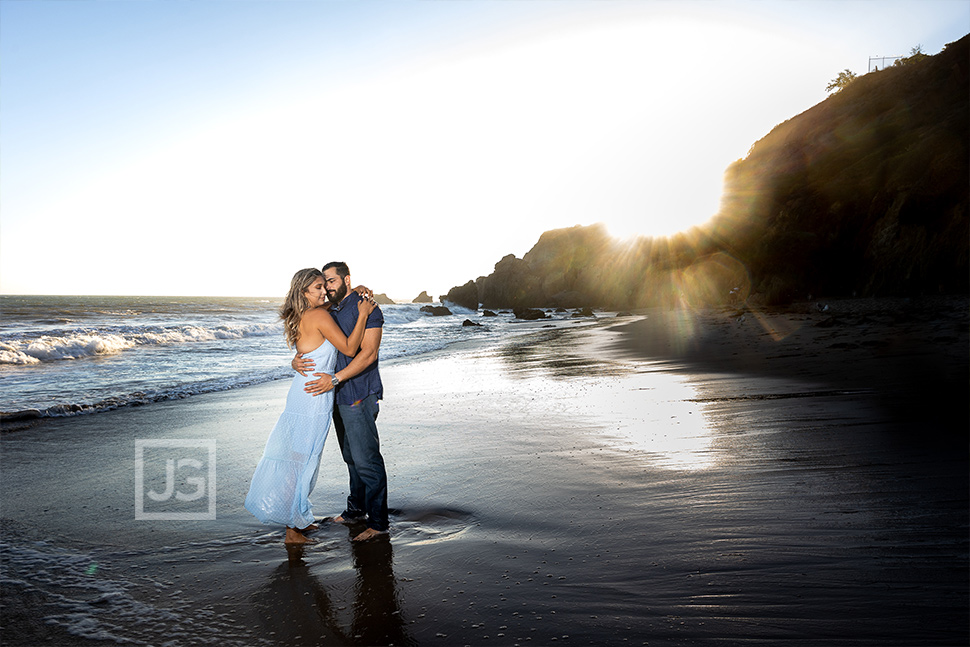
[(339, 295)]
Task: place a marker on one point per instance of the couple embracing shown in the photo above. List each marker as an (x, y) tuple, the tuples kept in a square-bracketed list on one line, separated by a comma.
[(340, 340)]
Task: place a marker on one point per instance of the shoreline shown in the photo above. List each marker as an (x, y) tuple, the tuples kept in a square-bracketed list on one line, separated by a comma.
[(769, 498), (912, 354)]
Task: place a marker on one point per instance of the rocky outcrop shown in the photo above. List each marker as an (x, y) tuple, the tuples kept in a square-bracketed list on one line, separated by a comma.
[(383, 300), (864, 194), (465, 296), (423, 298), (550, 274)]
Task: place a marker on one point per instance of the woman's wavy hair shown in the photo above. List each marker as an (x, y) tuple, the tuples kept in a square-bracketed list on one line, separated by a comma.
[(296, 303)]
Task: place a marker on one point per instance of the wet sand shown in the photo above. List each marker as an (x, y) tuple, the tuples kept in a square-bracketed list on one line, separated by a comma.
[(663, 479)]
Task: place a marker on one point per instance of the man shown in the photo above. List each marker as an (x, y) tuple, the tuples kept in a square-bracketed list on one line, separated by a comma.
[(358, 389)]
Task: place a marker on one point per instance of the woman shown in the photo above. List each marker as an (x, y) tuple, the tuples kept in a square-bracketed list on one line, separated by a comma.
[(287, 472)]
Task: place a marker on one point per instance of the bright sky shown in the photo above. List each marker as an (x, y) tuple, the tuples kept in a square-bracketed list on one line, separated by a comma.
[(214, 148)]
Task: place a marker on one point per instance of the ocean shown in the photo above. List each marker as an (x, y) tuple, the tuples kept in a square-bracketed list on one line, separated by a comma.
[(74, 355)]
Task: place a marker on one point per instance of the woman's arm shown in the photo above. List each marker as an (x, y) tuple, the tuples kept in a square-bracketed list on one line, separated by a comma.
[(304, 365), (331, 331)]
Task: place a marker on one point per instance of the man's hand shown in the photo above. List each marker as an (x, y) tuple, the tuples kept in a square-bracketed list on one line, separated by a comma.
[(319, 386), (302, 365)]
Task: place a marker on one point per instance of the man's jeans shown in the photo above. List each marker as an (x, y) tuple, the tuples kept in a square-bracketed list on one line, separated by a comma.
[(356, 427)]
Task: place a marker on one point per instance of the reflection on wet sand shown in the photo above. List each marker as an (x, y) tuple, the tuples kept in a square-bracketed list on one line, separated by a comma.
[(377, 613), (663, 420), (555, 353), (300, 608)]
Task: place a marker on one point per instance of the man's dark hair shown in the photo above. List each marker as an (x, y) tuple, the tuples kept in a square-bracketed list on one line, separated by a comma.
[(342, 270)]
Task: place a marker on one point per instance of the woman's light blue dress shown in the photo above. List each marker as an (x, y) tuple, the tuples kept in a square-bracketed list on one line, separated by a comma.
[(285, 476)]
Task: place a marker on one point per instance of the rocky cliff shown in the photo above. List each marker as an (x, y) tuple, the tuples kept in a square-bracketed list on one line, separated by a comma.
[(864, 194)]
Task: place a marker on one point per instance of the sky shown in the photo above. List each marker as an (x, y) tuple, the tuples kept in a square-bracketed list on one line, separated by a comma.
[(216, 147)]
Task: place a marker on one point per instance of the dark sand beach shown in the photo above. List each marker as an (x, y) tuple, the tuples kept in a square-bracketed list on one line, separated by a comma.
[(710, 477)]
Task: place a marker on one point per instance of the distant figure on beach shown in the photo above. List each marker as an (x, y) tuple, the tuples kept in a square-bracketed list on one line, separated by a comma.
[(285, 476), (359, 389)]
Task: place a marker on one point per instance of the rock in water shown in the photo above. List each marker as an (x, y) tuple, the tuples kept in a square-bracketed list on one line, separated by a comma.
[(436, 311), (529, 314)]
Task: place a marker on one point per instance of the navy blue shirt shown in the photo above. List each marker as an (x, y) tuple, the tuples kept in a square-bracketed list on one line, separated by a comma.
[(368, 381)]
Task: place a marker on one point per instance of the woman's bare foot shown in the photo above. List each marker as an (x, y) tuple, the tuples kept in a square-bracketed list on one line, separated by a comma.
[(312, 526), (369, 534), (294, 536)]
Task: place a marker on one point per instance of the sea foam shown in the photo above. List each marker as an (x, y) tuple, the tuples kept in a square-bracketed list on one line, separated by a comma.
[(78, 345)]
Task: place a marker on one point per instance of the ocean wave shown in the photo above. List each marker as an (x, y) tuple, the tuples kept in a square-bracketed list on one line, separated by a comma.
[(410, 314), (138, 398), (83, 344), (11, 355)]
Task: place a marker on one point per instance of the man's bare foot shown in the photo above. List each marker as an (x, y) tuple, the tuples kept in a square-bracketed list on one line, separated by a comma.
[(369, 534), (294, 536), (344, 520)]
